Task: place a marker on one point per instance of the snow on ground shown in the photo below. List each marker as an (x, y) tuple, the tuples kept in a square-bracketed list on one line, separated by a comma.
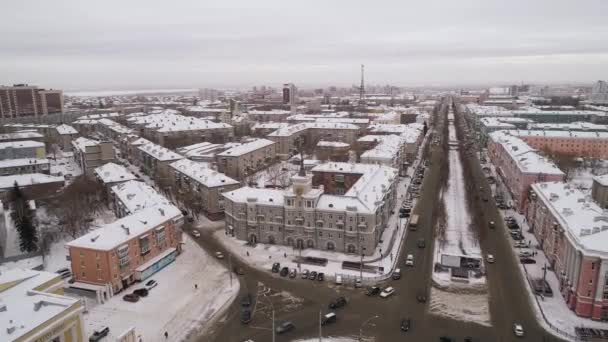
[(174, 306), (64, 164), (460, 306), (28, 264)]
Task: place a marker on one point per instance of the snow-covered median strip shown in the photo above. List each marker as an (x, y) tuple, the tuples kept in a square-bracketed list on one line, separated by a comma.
[(174, 306)]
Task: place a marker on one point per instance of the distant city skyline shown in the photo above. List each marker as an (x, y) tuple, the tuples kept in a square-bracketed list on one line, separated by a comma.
[(153, 45)]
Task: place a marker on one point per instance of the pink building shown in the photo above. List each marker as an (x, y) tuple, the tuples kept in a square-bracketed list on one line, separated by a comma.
[(573, 231), (519, 165), (577, 143)]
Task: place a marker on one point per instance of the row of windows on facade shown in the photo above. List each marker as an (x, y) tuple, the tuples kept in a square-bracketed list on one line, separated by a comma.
[(320, 234)]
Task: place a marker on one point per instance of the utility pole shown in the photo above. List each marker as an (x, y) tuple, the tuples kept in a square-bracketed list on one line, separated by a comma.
[(320, 326), (272, 325), (361, 268), (230, 267)]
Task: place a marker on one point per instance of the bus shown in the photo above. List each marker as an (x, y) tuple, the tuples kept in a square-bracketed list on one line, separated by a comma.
[(414, 222)]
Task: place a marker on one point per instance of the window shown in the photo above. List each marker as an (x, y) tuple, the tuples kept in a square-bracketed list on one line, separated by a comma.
[(144, 245), (98, 266), (320, 233), (99, 275), (592, 265), (82, 263)]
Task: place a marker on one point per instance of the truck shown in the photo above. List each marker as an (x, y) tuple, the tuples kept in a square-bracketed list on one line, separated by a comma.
[(413, 224)]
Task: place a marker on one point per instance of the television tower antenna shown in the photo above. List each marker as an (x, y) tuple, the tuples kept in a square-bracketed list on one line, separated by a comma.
[(362, 88)]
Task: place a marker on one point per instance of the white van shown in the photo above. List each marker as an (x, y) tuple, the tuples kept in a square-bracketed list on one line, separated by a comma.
[(338, 280)]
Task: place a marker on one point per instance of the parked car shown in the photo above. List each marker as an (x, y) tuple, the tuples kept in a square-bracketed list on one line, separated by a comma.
[(337, 303), (150, 284), (490, 259), (305, 274), (246, 301), (358, 283), (518, 330), (492, 224), (312, 275), (372, 291), (63, 270), (245, 315), (520, 244), (284, 327), (276, 267), (421, 243), (525, 254), (421, 297), (141, 292), (405, 324), (329, 318), (133, 298), (338, 280), (293, 273), (321, 276), (397, 274), (527, 261), (387, 292), (219, 255), (284, 272), (196, 233), (409, 260), (99, 334)]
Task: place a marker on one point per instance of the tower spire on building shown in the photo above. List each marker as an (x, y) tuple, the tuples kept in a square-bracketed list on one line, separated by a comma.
[(362, 88)]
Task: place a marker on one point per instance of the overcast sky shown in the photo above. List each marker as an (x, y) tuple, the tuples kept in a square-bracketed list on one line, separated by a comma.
[(197, 43)]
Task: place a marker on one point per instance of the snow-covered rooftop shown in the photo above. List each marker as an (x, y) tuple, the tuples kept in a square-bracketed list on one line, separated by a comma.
[(64, 129), (337, 144), (290, 130), (81, 143), (200, 149), (269, 125), (24, 308), (388, 146), (271, 197), (202, 173), (487, 110), (98, 116), (410, 132), (20, 135), (159, 152), (573, 126), (7, 182), (115, 126), (269, 112), (140, 141), (111, 173), (20, 144), (528, 160), (22, 162), (246, 148), (170, 122), (559, 134), (112, 235), (585, 223), (136, 196), (536, 111), (328, 119), (602, 180)]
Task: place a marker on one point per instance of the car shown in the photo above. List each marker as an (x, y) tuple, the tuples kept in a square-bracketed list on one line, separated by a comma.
[(358, 283), (406, 324), (520, 244), (518, 330), (305, 274), (276, 267), (445, 339), (527, 261), (421, 243), (409, 260), (403, 215), (312, 275), (372, 291), (245, 315), (397, 274), (150, 284), (133, 298), (525, 254), (196, 233), (141, 292), (321, 276), (190, 219), (490, 259), (284, 327), (337, 303), (63, 270), (238, 270), (293, 273), (99, 334), (284, 272), (387, 292), (338, 280), (219, 255), (492, 224), (329, 318), (421, 297), (246, 301)]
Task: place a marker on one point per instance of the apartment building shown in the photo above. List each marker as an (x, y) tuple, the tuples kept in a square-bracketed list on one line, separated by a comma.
[(206, 184), (35, 186), (411, 134), (562, 116), (34, 308), (346, 209), (110, 174), (22, 135), (310, 134), (26, 165), (132, 196), (155, 160), (573, 232), (519, 165), (22, 100), (247, 158), (491, 124), (128, 250), (65, 135), (599, 190), (112, 130), (332, 150), (90, 154), (574, 143), (205, 151), (275, 115)]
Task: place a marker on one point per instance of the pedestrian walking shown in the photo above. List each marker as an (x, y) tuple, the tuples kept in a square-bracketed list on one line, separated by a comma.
[(196, 286), (247, 253), (285, 255), (166, 335), (269, 257)]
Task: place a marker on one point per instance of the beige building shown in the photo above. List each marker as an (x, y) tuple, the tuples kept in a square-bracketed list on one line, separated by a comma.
[(599, 190), (33, 308), (345, 209), (206, 184), (65, 135), (155, 160), (241, 161), (310, 133), (90, 154)]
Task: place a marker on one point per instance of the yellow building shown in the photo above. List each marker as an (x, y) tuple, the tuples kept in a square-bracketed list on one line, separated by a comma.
[(34, 309)]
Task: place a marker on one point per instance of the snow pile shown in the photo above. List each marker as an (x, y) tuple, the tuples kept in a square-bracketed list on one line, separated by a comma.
[(461, 306)]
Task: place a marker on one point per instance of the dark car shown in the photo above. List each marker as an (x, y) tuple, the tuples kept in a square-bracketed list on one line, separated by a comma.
[(421, 243), (372, 291), (141, 292), (285, 327), (445, 339), (133, 298), (406, 324), (284, 271), (246, 301), (276, 267), (421, 298), (99, 334), (238, 270), (312, 275), (527, 261), (321, 276), (337, 303), (245, 315)]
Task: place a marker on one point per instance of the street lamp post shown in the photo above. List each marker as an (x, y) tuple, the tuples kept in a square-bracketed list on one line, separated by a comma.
[(363, 325)]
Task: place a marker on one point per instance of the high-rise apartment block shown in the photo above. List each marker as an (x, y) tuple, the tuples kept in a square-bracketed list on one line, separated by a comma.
[(24, 100)]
